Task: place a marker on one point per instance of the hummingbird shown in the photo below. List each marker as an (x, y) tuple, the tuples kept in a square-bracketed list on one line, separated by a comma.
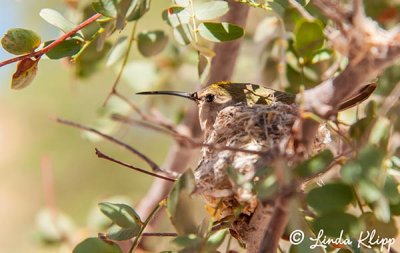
[(247, 117)]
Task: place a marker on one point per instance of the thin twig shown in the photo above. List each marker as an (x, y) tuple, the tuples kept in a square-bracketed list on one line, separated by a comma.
[(152, 164), (146, 222), (147, 117), (46, 49), (104, 156), (125, 61), (160, 234)]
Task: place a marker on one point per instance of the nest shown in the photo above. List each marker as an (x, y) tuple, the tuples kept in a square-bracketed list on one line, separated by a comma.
[(264, 128)]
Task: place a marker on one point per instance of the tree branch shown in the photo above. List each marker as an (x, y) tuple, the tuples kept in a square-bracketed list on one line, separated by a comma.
[(52, 45), (370, 50), (104, 156), (152, 164)]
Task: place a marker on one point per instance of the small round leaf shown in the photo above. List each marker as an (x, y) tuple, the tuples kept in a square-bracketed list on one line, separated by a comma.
[(330, 197), (219, 32), (66, 48), (56, 19), (152, 42), (26, 72), (309, 38), (211, 10), (93, 244), (20, 41)]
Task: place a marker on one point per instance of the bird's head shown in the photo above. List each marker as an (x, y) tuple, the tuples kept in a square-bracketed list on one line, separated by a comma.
[(218, 96)]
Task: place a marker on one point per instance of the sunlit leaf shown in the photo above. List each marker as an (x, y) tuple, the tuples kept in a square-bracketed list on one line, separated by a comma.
[(20, 41), (340, 195), (118, 51), (315, 164), (183, 35), (218, 32), (152, 42), (54, 18), (66, 48), (25, 73), (216, 240), (121, 234), (139, 9), (183, 3), (121, 214), (369, 191), (211, 10), (94, 244), (176, 15), (107, 8), (380, 132)]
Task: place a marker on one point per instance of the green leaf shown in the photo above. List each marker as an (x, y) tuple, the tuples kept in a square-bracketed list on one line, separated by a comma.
[(121, 214), (118, 51), (333, 223), (138, 10), (152, 42), (218, 32), (351, 172), (211, 10), (330, 197), (360, 127), (26, 72), (123, 7), (380, 132), (94, 244), (309, 38), (369, 191), (121, 234), (179, 202), (366, 166), (391, 189), (56, 19), (20, 41), (216, 240), (315, 164), (66, 48), (89, 60), (106, 8), (176, 15), (183, 35)]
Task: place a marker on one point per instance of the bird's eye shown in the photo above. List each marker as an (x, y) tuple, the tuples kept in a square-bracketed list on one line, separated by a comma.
[(209, 98)]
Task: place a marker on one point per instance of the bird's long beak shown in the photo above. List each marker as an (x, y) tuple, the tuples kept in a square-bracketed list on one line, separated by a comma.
[(191, 96)]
